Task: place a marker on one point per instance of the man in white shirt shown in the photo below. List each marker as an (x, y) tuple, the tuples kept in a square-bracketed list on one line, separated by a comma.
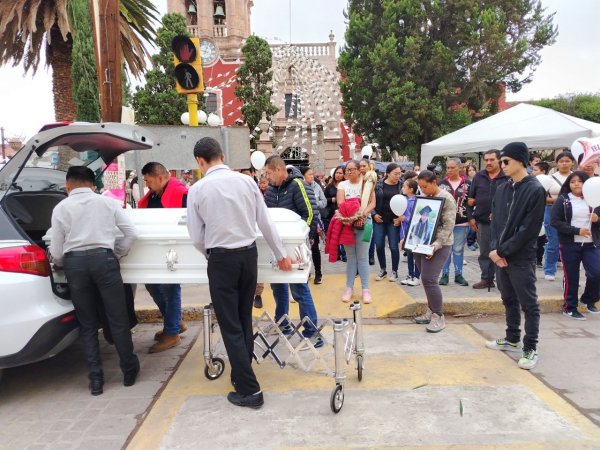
[(224, 208), (83, 242)]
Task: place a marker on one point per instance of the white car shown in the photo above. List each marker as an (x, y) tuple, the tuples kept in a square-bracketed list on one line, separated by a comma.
[(37, 320)]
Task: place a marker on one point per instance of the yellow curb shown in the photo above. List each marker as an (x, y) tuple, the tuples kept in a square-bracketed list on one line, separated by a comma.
[(390, 300)]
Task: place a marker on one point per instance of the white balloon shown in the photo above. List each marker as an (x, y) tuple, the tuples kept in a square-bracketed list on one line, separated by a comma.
[(367, 151), (577, 149), (398, 204), (214, 120), (545, 180), (202, 117), (591, 191), (258, 158), (185, 118)]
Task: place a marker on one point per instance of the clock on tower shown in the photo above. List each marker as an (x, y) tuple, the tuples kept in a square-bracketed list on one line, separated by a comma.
[(209, 52)]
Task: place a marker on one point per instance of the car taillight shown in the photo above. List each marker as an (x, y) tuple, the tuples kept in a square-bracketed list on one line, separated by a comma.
[(67, 318), (29, 259)]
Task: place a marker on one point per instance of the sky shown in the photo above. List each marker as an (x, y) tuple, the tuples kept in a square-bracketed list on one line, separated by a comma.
[(571, 65)]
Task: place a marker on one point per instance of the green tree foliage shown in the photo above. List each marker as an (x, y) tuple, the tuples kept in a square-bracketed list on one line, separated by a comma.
[(584, 106), (157, 102), (253, 82), (83, 66), (414, 70)]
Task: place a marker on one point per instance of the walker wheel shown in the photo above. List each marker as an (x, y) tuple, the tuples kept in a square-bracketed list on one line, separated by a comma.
[(359, 366), (337, 398), (214, 372)]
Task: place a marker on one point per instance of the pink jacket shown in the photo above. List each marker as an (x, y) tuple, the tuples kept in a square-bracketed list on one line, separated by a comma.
[(338, 232)]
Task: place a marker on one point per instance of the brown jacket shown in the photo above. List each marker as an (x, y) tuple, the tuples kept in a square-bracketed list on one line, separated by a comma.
[(444, 234)]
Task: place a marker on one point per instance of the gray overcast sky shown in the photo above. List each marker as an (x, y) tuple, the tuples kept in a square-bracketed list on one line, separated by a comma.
[(570, 65)]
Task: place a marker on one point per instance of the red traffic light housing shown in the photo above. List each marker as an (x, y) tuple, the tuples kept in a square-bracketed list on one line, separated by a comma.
[(188, 65)]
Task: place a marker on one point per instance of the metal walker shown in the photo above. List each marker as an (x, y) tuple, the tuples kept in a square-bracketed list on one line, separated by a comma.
[(347, 340)]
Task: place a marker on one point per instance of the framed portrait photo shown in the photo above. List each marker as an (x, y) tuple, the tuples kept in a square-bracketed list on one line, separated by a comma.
[(423, 224)]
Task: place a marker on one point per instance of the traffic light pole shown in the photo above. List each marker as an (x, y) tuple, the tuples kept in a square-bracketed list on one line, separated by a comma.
[(192, 102)]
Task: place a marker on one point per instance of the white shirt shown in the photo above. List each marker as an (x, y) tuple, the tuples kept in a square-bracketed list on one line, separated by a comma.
[(223, 209), (86, 220), (581, 217), (351, 190), (555, 186)]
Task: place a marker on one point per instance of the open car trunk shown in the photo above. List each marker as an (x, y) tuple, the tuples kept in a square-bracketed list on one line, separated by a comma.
[(32, 211)]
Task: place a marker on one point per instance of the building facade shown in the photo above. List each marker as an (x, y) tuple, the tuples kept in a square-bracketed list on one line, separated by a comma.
[(308, 129)]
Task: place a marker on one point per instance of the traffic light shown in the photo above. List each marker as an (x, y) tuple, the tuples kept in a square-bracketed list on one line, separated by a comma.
[(188, 65)]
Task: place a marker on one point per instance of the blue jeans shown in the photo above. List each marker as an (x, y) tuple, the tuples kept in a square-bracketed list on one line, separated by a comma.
[(413, 270), (358, 260), (551, 249), (380, 231), (458, 251), (301, 293), (168, 299), (572, 255)]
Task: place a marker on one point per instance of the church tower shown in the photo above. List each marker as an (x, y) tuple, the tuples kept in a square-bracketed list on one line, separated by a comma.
[(221, 25)]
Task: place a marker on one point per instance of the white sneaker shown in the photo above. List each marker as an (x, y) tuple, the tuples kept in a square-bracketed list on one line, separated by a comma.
[(413, 282), (529, 359), (406, 280), (549, 277), (381, 275), (393, 277), (437, 324)]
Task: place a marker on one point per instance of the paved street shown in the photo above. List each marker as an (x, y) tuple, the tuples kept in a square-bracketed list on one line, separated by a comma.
[(419, 390), (414, 387)]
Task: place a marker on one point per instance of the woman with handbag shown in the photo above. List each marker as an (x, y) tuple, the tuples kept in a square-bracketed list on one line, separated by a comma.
[(358, 253), (332, 206)]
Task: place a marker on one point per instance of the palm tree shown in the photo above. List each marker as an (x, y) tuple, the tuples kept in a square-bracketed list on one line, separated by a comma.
[(27, 27)]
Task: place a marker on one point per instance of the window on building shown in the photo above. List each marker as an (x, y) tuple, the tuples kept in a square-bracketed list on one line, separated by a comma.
[(211, 103), (292, 106)]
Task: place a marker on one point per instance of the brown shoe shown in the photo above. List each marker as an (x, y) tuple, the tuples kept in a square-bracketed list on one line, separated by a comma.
[(182, 329), (165, 343), (483, 284)]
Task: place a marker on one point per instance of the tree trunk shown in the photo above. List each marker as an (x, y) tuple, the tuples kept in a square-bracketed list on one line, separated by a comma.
[(59, 58)]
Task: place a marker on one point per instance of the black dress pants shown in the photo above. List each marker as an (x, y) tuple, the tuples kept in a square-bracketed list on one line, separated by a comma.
[(517, 289), (88, 274), (232, 281)]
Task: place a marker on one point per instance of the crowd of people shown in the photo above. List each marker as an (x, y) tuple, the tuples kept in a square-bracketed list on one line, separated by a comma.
[(502, 211)]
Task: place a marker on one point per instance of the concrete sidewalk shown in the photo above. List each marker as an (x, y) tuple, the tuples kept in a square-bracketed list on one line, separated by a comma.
[(419, 390), (389, 299)]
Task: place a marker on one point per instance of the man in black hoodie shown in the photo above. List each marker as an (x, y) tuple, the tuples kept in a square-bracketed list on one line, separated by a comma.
[(517, 215)]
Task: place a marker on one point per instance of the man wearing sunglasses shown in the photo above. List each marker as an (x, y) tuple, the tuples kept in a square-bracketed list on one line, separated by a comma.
[(517, 216)]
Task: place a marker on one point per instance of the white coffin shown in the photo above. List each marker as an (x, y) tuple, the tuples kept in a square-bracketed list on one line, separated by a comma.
[(164, 252)]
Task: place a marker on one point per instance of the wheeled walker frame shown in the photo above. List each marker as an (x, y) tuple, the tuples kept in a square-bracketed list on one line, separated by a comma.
[(347, 340)]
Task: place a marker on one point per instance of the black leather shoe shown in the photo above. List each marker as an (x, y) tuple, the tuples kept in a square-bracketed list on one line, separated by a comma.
[(96, 386), (254, 401), (258, 303), (130, 376)]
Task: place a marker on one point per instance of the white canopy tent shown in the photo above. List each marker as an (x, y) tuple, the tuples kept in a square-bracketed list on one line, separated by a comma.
[(538, 127)]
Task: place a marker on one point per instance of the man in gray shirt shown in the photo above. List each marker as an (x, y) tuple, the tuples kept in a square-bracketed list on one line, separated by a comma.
[(83, 242), (223, 210)]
